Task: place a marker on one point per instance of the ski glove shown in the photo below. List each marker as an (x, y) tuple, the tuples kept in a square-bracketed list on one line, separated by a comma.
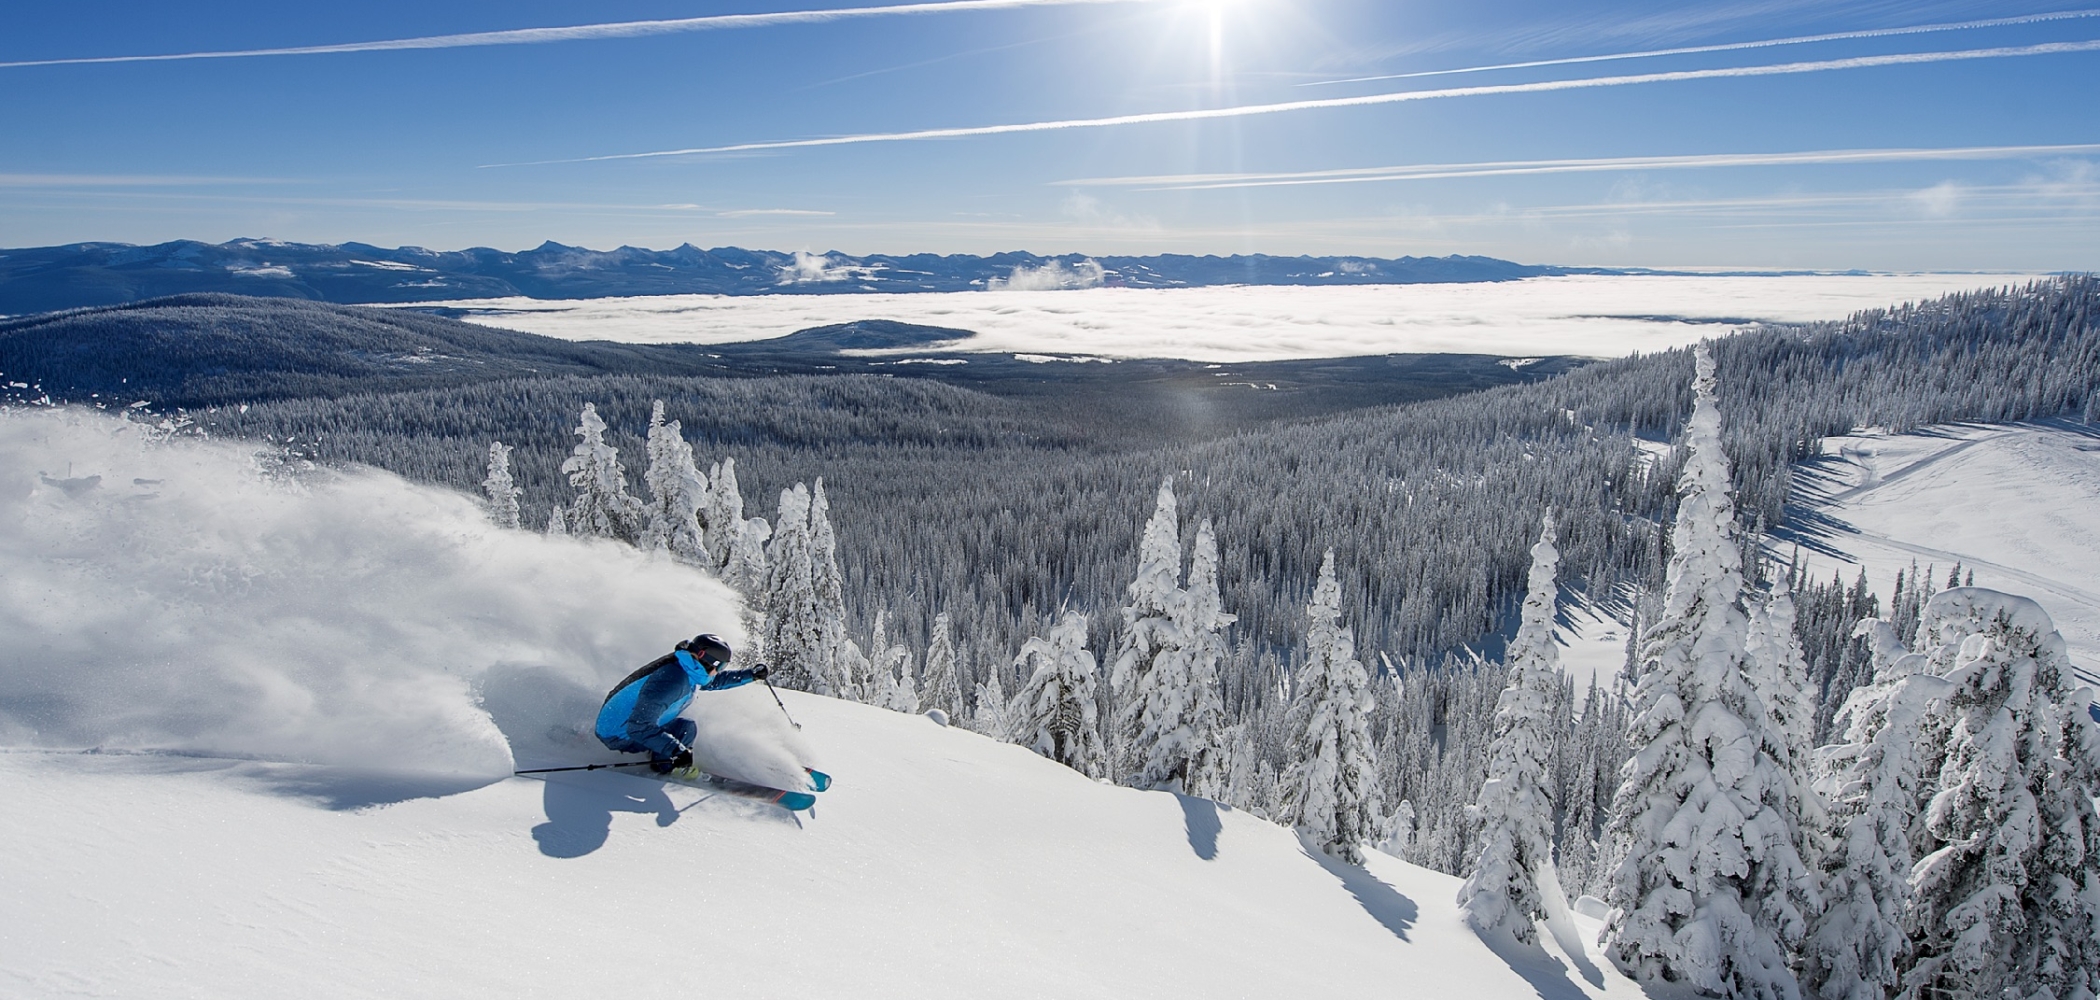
[(683, 760), (761, 671)]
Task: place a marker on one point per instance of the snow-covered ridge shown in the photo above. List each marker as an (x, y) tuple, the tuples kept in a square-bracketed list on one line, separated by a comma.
[(2019, 506)]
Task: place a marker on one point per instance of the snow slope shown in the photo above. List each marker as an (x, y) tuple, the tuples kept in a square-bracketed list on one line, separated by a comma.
[(2018, 504), (255, 729), (1584, 315)]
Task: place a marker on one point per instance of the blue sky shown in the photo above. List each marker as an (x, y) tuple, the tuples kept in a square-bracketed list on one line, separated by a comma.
[(1970, 147)]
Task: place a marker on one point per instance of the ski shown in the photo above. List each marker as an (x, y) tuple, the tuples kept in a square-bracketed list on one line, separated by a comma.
[(696, 778)]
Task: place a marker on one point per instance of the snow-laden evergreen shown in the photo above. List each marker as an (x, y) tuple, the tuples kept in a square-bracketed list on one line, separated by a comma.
[(499, 489), (991, 716), (1146, 674), (725, 512), (603, 508), (937, 683), (1710, 889), (1055, 713), (1197, 752), (1872, 780), (1330, 792), (678, 494), (1505, 894), (828, 590), (2005, 894), (890, 683), (792, 631)]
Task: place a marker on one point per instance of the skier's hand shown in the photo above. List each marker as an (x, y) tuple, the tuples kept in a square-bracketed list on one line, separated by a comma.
[(761, 671), (683, 760)]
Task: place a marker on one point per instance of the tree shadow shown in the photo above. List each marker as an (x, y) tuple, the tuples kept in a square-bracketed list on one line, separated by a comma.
[(1384, 903), (1546, 974), (579, 816), (1200, 818)]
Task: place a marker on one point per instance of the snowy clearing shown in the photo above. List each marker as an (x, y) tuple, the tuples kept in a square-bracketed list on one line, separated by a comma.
[(305, 692), (2019, 505), (1586, 315)]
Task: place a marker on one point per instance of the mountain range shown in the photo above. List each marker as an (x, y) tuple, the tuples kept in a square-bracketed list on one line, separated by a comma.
[(43, 279)]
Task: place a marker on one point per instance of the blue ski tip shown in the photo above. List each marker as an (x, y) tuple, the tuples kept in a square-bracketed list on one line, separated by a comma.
[(818, 780)]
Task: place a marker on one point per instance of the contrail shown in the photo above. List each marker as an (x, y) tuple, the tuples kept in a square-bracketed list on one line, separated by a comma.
[(1999, 22), (581, 32), (1242, 111), (1435, 171)]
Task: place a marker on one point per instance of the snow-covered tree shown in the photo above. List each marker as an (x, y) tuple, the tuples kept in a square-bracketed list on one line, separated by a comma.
[(677, 494), (602, 508), (725, 513), (1147, 675), (938, 687), (501, 491), (746, 568), (1055, 712), (557, 524), (2005, 897), (1330, 791), (1505, 894), (793, 631), (1710, 889), (1872, 779), (828, 586), (991, 715), (890, 683), (1195, 752)]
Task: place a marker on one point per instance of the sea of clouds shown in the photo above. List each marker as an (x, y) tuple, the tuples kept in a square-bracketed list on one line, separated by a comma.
[(198, 597), (1043, 314)]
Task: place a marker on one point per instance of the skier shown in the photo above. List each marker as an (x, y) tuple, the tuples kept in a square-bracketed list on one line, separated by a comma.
[(640, 714)]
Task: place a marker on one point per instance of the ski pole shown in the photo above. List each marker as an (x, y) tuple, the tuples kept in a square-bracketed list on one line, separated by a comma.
[(584, 767), (782, 704)]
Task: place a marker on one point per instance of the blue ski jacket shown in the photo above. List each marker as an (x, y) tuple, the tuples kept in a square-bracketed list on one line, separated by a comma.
[(638, 711)]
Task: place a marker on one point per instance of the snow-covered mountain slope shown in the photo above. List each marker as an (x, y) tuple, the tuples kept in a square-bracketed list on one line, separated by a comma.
[(2019, 505), (308, 690), (942, 864)]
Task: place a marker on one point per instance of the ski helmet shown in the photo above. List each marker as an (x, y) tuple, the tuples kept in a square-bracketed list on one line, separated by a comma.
[(709, 649)]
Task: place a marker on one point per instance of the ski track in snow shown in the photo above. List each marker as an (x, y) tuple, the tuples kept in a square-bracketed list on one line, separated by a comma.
[(2019, 505)]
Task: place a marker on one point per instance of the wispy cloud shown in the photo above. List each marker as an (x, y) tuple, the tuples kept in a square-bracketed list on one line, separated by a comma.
[(1503, 168), (1998, 22), (119, 180), (741, 213), (580, 32), (1367, 100)]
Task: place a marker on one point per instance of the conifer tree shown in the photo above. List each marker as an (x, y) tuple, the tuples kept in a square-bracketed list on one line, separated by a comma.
[(746, 568), (2005, 896), (991, 716), (793, 632), (1148, 676), (603, 508), (890, 684), (501, 491), (557, 524), (1506, 893), (725, 513), (677, 494), (938, 687), (1199, 753), (1709, 889), (1055, 713), (828, 587), (1330, 792), (1857, 948)]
